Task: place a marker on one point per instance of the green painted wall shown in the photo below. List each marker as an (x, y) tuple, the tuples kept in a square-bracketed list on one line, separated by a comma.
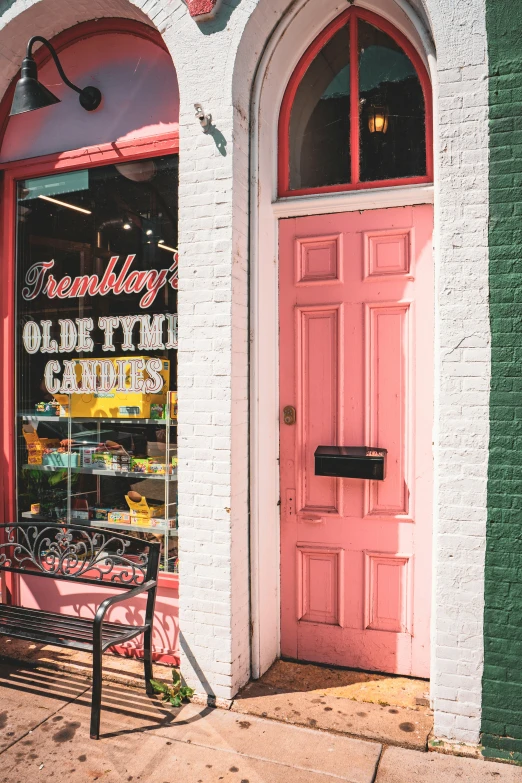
[(502, 681)]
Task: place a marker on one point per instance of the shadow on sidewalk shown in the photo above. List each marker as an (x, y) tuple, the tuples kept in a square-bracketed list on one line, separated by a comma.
[(147, 712)]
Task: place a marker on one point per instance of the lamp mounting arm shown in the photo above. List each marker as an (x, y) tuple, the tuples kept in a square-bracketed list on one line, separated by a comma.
[(90, 97), (57, 62)]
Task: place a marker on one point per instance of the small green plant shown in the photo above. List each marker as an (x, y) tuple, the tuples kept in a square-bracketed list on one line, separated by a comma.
[(176, 693)]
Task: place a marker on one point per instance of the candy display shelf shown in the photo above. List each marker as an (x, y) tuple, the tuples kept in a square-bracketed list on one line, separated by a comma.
[(105, 472), (89, 420), (86, 434), (171, 532)]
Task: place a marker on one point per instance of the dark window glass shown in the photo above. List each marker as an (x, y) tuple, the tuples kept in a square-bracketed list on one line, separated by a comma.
[(392, 112), (96, 345), (320, 119)]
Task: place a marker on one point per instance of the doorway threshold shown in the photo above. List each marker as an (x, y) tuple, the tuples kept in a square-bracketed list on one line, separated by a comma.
[(383, 707)]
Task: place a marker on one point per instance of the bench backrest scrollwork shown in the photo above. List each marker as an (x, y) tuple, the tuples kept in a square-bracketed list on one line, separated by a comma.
[(78, 553)]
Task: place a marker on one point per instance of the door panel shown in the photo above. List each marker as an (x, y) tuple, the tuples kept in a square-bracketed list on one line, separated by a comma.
[(319, 575), (386, 380), (356, 362), (318, 362)]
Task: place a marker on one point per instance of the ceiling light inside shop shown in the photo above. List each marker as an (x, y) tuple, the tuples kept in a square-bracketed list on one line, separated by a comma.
[(163, 246), (127, 226), (66, 204)]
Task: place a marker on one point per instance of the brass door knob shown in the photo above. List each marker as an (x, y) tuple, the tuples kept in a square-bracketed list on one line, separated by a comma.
[(289, 414)]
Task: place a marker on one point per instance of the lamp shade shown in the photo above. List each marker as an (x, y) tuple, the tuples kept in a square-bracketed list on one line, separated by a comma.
[(30, 94)]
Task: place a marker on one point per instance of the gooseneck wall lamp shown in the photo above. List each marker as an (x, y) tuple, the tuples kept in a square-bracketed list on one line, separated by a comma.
[(30, 94)]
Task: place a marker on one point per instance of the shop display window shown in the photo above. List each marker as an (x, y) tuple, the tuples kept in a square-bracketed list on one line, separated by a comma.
[(96, 349)]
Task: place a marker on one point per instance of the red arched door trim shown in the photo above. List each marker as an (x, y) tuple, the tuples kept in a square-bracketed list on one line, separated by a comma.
[(351, 15)]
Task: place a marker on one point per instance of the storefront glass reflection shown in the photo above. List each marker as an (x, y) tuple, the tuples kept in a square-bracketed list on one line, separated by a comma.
[(96, 348)]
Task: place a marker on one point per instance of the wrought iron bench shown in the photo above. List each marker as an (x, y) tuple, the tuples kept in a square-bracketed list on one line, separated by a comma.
[(86, 556)]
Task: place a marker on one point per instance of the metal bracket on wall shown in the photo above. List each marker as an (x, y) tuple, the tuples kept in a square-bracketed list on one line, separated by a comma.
[(205, 120)]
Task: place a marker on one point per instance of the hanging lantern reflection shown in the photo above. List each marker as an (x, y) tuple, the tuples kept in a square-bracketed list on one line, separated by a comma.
[(378, 119)]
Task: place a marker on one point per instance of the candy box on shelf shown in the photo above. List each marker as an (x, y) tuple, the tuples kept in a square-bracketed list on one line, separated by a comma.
[(139, 465), (139, 507), (101, 513), (157, 466), (101, 460), (120, 462), (152, 511), (47, 408), (159, 522), (30, 434), (34, 454), (51, 459), (119, 517), (61, 459), (159, 411), (36, 445), (87, 453), (140, 521)]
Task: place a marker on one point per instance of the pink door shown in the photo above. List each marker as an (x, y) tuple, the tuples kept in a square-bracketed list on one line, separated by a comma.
[(356, 363)]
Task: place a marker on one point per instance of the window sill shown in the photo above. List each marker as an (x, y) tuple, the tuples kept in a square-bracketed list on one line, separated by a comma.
[(354, 200)]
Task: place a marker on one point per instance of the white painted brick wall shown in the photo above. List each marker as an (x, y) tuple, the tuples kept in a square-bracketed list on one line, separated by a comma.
[(462, 426), (216, 65)]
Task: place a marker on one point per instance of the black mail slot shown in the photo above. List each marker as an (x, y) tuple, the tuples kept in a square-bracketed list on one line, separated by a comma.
[(361, 462)]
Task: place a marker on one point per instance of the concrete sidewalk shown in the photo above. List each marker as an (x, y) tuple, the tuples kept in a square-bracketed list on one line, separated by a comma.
[(44, 723), (364, 705)]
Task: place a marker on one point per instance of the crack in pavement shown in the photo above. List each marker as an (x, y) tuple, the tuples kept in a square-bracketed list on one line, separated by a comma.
[(265, 760)]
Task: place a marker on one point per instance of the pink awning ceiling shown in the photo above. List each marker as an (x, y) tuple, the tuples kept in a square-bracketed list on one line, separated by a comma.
[(140, 92)]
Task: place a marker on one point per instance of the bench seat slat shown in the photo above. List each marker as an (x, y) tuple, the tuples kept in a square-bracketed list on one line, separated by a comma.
[(22, 612), (54, 629), (48, 621), (61, 630)]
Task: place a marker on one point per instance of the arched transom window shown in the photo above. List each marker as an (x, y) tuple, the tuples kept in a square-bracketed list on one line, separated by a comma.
[(356, 112)]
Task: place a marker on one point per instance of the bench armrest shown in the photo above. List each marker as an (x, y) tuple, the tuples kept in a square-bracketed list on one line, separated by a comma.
[(115, 599)]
